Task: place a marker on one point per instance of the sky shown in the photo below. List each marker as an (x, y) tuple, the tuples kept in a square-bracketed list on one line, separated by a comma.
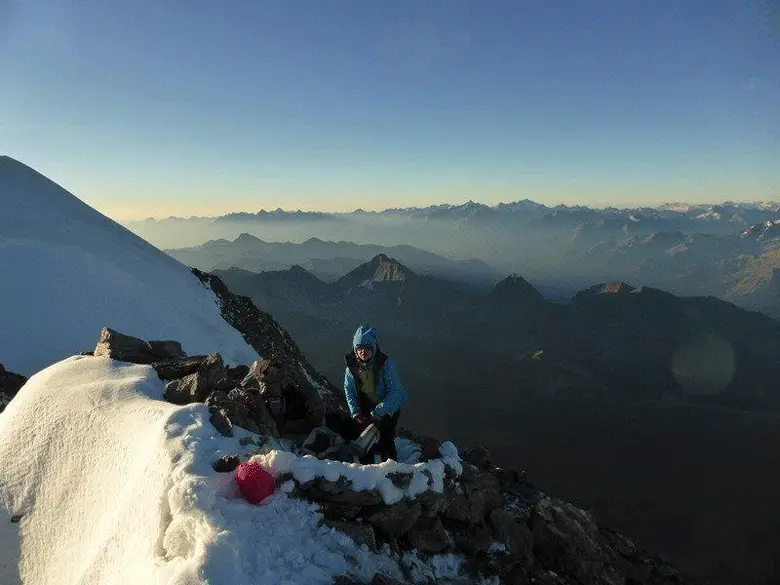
[(151, 109)]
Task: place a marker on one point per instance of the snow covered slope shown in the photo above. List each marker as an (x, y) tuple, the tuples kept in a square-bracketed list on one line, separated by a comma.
[(67, 271), (114, 486)]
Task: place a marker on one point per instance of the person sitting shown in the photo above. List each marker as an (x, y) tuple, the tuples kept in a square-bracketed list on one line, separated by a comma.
[(373, 389)]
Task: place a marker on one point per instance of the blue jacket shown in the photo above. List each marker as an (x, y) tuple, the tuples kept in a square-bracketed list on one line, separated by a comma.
[(389, 388)]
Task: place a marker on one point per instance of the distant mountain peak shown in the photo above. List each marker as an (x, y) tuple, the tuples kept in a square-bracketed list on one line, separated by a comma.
[(515, 288), (381, 268), (612, 288), (247, 238)]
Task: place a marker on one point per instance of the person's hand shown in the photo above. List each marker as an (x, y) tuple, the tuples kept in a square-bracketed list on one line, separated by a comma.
[(362, 419)]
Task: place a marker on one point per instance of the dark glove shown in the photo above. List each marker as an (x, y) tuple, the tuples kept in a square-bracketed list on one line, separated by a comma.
[(362, 419)]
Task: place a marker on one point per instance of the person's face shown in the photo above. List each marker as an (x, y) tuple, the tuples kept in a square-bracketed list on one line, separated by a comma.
[(364, 352)]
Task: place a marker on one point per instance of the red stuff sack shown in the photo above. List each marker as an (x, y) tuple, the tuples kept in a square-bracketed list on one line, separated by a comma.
[(255, 483)]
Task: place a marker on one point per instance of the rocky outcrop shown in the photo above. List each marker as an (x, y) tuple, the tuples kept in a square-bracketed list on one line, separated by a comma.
[(131, 349), (232, 397), (515, 537), (271, 341), (10, 384)]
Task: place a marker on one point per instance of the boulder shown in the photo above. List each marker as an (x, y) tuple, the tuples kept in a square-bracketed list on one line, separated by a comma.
[(517, 537), (186, 390), (567, 541), (470, 539), (250, 406), (430, 536), (360, 532), (323, 443), (226, 463), (225, 413), (395, 520), (126, 348), (338, 492), (195, 387), (176, 368)]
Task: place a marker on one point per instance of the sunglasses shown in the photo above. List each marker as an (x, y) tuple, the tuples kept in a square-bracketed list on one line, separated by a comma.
[(364, 348)]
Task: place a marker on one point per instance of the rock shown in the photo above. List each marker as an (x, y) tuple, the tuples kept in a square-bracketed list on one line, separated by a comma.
[(479, 494), (339, 492), (213, 371), (225, 413), (472, 540), (478, 456), (221, 422), (517, 537), (323, 443), (429, 536), (401, 480), (360, 532), (395, 520), (126, 348), (174, 369), (16, 519), (186, 390), (226, 463), (167, 349), (567, 540), (514, 482), (251, 407), (432, 503)]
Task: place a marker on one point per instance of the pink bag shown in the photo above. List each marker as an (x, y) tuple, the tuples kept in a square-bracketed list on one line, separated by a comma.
[(255, 483)]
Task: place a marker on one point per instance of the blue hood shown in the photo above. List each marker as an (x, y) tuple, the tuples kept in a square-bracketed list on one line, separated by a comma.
[(365, 335)]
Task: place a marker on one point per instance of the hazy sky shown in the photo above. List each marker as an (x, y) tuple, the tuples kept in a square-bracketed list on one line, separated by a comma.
[(154, 108)]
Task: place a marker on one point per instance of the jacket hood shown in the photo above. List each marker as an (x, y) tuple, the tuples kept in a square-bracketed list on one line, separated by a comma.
[(365, 335)]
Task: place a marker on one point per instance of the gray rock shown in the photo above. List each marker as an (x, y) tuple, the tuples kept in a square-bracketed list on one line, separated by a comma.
[(339, 492), (395, 520), (186, 390), (127, 348), (517, 537), (221, 422), (360, 532), (432, 503), (472, 540), (429, 536), (223, 409), (226, 463), (167, 349), (174, 369)]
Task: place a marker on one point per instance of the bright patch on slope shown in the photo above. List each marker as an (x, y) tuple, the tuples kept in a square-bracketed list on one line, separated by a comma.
[(115, 486), (68, 271)]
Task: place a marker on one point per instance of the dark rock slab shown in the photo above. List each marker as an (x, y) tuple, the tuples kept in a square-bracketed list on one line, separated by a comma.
[(360, 532), (174, 369), (395, 520)]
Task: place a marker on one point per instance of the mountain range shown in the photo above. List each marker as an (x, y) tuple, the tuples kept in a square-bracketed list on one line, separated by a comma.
[(327, 260), (727, 250)]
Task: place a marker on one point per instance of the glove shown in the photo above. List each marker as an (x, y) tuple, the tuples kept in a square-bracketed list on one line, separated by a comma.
[(362, 419)]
